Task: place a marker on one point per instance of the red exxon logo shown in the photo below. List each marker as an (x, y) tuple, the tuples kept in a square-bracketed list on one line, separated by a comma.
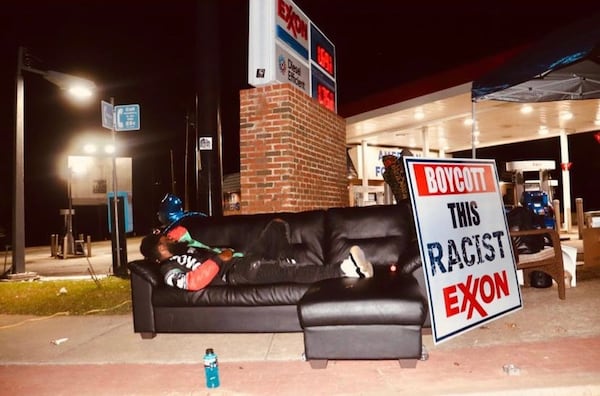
[(295, 25)]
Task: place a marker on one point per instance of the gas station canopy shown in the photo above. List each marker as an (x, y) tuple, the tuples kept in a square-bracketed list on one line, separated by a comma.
[(540, 91)]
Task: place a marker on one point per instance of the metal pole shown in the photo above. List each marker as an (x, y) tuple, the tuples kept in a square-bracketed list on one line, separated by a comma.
[(218, 194), (186, 198), (117, 248), (473, 129), (365, 174), (198, 160), (173, 182), (566, 180), (69, 243), (18, 225)]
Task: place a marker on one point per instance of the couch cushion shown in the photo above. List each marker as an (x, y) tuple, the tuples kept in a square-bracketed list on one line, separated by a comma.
[(383, 232), (241, 231), (240, 295), (387, 298)]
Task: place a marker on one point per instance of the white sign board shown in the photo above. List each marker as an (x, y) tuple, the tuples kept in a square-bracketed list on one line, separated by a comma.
[(108, 120), (372, 156), (205, 143), (465, 246)]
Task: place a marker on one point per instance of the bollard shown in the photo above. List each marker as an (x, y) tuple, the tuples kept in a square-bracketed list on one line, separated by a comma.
[(53, 245), (89, 246), (557, 219), (580, 220), (65, 247)]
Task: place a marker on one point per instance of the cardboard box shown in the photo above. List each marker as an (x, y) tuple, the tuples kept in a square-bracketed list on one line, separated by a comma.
[(592, 219), (591, 247)]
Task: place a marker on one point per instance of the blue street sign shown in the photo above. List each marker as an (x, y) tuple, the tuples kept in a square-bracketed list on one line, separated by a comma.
[(127, 117), (108, 120)]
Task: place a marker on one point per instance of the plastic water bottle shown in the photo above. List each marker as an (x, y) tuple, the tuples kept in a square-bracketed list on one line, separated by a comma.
[(211, 369)]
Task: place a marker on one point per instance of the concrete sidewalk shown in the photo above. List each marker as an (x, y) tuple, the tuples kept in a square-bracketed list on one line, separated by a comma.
[(552, 344)]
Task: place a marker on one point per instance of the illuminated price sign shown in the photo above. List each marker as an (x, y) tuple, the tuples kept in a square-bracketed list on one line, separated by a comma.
[(323, 89), (325, 59), (322, 59), (326, 96), (322, 51)]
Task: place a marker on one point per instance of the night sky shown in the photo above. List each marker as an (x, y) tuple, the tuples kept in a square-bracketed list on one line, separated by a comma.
[(145, 53)]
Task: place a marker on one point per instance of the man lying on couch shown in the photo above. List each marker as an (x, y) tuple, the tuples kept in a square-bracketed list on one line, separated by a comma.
[(190, 265)]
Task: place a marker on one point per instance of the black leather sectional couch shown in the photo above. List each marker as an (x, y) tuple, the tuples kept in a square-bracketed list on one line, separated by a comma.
[(321, 237)]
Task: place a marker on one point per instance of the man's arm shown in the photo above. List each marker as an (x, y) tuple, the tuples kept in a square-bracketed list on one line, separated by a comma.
[(193, 280), (199, 277), (181, 234)]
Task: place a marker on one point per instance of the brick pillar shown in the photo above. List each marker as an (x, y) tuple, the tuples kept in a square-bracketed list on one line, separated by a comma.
[(292, 152)]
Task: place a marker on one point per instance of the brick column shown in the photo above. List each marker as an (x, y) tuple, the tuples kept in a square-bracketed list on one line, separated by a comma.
[(292, 152)]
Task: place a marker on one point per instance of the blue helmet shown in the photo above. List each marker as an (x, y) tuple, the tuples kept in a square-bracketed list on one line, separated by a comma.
[(170, 210)]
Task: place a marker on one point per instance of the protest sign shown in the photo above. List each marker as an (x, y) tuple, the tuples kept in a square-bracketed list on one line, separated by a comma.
[(464, 242)]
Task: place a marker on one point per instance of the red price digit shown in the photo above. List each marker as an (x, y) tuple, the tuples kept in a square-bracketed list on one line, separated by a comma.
[(325, 97), (324, 59)]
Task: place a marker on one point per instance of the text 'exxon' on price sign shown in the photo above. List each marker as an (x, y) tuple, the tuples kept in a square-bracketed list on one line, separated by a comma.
[(127, 117)]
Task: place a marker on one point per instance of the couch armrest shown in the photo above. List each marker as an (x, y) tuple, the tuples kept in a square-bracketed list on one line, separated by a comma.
[(147, 270), (410, 263), (410, 260), (141, 298)]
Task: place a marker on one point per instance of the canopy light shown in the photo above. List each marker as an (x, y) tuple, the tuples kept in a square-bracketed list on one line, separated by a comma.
[(526, 109)]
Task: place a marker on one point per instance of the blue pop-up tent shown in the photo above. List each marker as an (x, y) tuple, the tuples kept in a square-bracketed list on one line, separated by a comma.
[(565, 65)]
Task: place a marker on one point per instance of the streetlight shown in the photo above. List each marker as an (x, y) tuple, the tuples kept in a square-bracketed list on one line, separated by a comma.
[(74, 85)]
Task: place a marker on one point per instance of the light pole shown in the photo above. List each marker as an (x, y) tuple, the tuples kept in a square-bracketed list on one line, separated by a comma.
[(76, 86), (115, 235)]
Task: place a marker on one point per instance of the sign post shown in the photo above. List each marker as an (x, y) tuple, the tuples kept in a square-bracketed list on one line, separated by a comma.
[(118, 118), (465, 245)]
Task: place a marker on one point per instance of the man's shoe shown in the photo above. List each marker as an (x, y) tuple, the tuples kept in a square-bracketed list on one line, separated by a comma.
[(287, 262), (356, 265)]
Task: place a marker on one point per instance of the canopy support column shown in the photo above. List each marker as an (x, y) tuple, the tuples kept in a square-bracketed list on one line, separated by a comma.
[(425, 140), (365, 173), (473, 129), (566, 179)]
